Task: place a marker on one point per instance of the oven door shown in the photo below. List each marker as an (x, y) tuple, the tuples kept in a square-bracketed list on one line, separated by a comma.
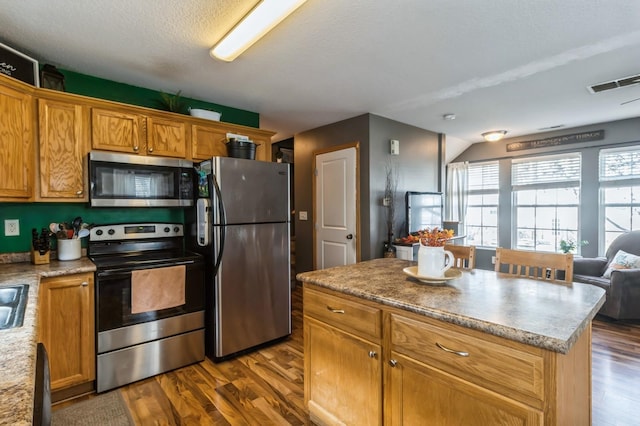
[(113, 297)]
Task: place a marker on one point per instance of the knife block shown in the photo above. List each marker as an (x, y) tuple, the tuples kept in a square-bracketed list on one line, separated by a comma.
[(39, 259)]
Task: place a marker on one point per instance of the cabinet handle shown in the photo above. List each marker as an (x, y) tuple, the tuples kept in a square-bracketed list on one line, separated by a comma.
[(136, 148), (444, 348), (372, 354), (79, 192), (85, 283), (393, 362), (335, 311), (150, 149)]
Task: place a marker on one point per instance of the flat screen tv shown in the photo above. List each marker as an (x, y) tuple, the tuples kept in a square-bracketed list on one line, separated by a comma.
[(424, 210)]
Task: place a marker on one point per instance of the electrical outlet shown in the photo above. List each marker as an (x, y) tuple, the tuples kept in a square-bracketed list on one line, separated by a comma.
[(303, 215), (11, 227)]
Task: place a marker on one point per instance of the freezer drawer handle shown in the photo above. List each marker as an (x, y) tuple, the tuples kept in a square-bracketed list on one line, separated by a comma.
[(335, 311)]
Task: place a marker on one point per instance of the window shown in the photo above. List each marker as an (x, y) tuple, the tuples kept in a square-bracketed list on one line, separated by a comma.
[(546, 198), (482, 204), (619, 193)]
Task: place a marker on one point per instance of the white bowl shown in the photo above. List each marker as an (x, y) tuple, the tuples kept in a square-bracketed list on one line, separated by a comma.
[(205, 113)]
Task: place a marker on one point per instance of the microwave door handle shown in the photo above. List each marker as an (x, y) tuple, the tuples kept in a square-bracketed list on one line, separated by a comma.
[(223, 222)]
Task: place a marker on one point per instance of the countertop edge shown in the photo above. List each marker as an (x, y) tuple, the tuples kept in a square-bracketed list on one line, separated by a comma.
[(523, 336)]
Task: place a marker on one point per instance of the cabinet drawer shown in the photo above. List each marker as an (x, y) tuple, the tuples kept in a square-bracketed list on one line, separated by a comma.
[(494, 363), (343, 313)]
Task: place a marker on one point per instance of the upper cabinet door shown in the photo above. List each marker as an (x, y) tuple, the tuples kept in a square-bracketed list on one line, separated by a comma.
[(16, 144), (207, 142), (63, 149), (166, 138), (120, 131)]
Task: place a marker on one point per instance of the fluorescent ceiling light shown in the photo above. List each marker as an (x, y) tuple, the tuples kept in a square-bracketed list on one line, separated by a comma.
[(262, 18), (494, 135)]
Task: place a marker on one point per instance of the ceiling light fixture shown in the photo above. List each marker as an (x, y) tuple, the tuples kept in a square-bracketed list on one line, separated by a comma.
[(494, 135), (259, 21)]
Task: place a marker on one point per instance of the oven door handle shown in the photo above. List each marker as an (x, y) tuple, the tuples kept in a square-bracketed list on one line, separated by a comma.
[(128, 270)]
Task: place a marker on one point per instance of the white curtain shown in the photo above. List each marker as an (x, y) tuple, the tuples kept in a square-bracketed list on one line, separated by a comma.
[(457, 192)]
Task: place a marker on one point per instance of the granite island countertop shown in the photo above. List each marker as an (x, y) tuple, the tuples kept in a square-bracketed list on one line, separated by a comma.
[(18, 345), (542, 314)]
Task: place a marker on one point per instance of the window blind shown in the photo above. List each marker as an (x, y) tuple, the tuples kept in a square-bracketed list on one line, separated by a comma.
[(619, 163), (483, 176), (553, 170)]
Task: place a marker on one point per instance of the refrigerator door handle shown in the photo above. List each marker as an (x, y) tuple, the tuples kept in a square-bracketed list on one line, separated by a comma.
[(223, 221)]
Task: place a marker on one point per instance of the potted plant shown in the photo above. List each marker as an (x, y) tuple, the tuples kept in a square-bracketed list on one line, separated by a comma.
[(171, 103), (568, 246)]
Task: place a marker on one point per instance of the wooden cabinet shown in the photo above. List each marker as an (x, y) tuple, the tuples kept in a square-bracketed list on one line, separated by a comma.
[(62, 151), (208, 139), (342, 355), (115, 130), (207, 142), (66, 327), (433, 372), (420, 394), (167, 138), (16, 141)]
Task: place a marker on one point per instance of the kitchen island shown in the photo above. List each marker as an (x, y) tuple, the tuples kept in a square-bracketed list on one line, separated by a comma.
[(18, 345), (384, 348)]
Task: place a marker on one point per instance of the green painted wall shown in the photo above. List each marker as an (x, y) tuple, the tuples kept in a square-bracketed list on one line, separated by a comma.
[(95, 87), (39, 215)]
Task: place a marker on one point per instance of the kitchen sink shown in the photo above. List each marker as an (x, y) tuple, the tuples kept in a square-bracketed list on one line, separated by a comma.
[(13, 301)]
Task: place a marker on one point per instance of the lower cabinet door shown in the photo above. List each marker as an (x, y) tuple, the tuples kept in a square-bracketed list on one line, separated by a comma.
[(421, 395), (67, 328), (343, 376)]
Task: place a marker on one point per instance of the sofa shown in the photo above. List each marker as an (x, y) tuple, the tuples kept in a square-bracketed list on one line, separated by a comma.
[(622, 286)]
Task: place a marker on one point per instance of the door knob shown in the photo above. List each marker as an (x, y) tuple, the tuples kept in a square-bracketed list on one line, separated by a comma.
[(350, 237)]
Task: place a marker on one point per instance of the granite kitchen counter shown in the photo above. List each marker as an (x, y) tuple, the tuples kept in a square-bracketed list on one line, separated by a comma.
[(542, 314), (18, 345)]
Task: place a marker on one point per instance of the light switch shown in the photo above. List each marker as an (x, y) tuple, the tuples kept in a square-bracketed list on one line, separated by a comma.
[(395, 146), (303, 215)]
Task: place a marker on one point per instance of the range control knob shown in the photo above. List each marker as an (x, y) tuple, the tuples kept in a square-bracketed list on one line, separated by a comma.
[(99, 232), (167, 229), (176, 229), (111, 232)]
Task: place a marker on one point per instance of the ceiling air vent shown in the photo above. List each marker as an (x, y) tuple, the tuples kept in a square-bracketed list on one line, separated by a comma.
[(614, 84)]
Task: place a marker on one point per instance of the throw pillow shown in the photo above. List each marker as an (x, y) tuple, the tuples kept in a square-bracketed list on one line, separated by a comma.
[(622, 260)]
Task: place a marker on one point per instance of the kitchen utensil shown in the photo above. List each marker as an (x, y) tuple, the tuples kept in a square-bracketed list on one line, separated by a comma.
[(77, 222), (53, 227), (83, 233)]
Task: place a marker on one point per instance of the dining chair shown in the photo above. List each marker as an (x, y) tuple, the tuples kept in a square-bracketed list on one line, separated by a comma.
[(553, 267), (464, 256)]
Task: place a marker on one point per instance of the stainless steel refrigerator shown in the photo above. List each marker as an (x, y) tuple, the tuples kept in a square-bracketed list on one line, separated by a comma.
[(241, 225)]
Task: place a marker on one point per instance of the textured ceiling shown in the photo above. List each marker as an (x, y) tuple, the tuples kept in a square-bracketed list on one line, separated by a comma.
[(499, 64)]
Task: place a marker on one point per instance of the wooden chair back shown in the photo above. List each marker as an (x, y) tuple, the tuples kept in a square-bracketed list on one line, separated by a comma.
[(554, 267), (464, 256)]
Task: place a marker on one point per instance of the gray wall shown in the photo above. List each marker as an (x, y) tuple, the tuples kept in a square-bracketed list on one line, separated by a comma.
[(616, 133), (419, 165)]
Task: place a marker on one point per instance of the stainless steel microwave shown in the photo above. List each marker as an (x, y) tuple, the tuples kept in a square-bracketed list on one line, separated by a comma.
[(124, 180)]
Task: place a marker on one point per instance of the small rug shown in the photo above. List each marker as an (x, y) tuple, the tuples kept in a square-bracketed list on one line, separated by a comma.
[(108, 409)]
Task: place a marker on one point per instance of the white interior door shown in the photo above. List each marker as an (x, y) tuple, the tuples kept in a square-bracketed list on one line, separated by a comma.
[(335, 211)]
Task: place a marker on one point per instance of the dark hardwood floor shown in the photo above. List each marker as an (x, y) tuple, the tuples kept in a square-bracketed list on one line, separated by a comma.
[(266, 387)]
